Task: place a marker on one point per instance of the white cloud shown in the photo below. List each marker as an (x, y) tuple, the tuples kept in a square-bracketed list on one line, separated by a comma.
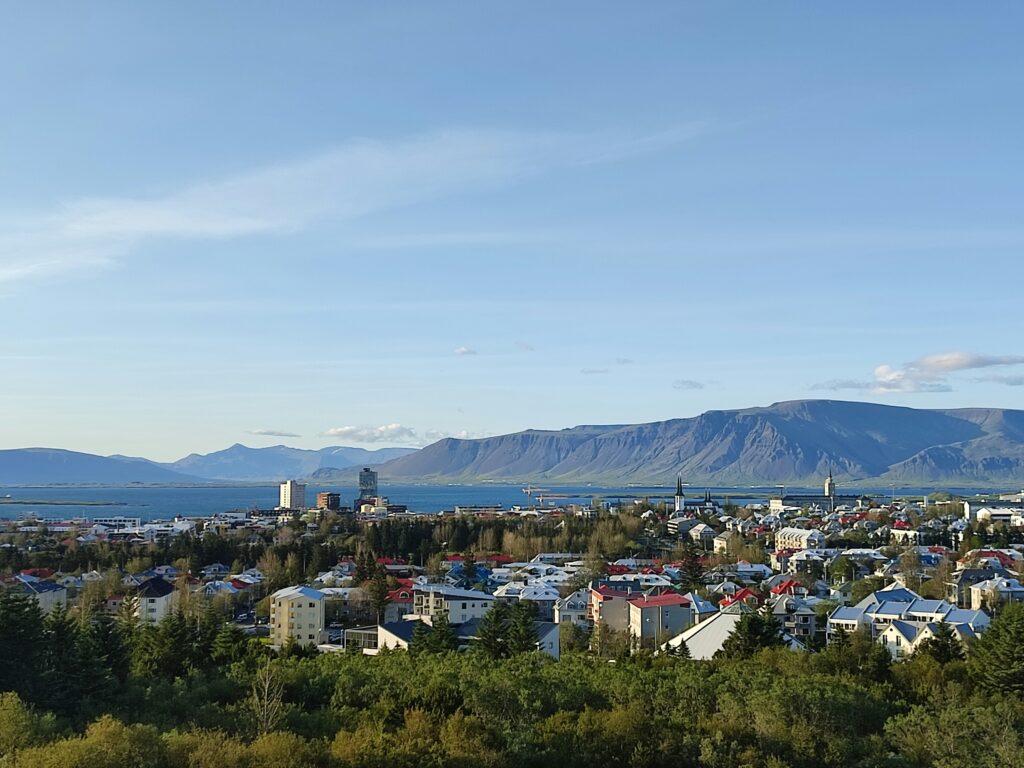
[(463, 351), (355, 179), (687, 384), (272, 433), (926, 374), (433, 435), (389, 433)]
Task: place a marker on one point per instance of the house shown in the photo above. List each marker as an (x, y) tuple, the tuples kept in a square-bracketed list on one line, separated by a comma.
[(795, 615), (460, 604), (799, 538), (702, 609), (297, 614), (880, 609), (216, 571), (398, 635), (541, 595), (573, 609), (992, 592), (220, 588), (703, 535), (902, 638), (49, 595), (399, 604), (958, 587), (156, 598), (654, 618)]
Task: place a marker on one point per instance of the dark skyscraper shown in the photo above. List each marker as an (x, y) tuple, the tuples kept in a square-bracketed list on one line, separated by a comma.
[(367, 484)]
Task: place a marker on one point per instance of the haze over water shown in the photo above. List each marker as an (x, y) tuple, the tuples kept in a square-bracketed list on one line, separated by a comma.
[(152, 503)]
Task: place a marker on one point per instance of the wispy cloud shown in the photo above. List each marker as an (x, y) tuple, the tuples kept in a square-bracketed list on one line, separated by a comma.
[(463, 351), (687, 384), (433, 435), (388, 433), (1010, 381), (355, 179), (273, 433), (396, 433), (593, 371), (926, 374)]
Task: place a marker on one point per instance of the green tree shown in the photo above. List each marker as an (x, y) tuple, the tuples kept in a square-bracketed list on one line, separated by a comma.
[(21, 636), (943, 645), (377, 592), (442, 636), (522, 631), (752, 633), (490, 634), (997, 661)]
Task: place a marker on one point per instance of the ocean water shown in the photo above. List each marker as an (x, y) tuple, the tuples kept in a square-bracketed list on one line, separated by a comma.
[(164, 502)]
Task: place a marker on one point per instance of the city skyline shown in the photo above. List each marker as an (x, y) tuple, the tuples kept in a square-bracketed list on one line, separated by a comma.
[(381, 226)]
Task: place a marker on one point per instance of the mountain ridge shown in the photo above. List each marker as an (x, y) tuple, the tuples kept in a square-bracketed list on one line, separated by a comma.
[(795, 441)]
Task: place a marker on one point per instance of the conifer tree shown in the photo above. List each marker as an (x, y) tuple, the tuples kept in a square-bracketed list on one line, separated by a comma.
[(442, 636), (21, 634), (490, 634), (997, 659), (943, 645), (522, 633), (753, 632)]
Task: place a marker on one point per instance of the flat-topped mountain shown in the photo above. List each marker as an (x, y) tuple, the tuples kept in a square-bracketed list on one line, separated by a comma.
[(789, 442)]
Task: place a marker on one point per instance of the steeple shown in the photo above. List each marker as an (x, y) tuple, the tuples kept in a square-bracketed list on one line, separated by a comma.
[(830, 489), (680, 500)]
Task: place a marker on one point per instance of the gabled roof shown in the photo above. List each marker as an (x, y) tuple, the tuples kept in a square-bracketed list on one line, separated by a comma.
[(155, 587)]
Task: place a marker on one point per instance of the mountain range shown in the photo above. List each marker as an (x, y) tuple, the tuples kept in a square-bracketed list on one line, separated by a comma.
[(794, 442), (239, 463)]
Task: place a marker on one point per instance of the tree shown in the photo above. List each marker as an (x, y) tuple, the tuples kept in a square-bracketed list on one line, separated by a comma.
[(753, 632), (864, 587), (420, 642), (266, 699), (490, 634), (378, 594), (21, 634), (442, 636), (691, 569), (943, 645), (469, 567), (681, 651), (996, 661), (522, 632), (20, 727)]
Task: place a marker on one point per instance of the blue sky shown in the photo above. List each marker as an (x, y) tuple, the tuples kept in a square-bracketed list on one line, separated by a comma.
[(380, 223)]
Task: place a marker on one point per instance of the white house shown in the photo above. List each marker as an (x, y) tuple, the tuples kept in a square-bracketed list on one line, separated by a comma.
[(156, 598), (460, 604)]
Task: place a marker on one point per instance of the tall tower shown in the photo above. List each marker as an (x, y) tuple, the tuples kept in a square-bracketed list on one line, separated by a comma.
[(680, 499), (367, 484), (830, 490), (292, 495)]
